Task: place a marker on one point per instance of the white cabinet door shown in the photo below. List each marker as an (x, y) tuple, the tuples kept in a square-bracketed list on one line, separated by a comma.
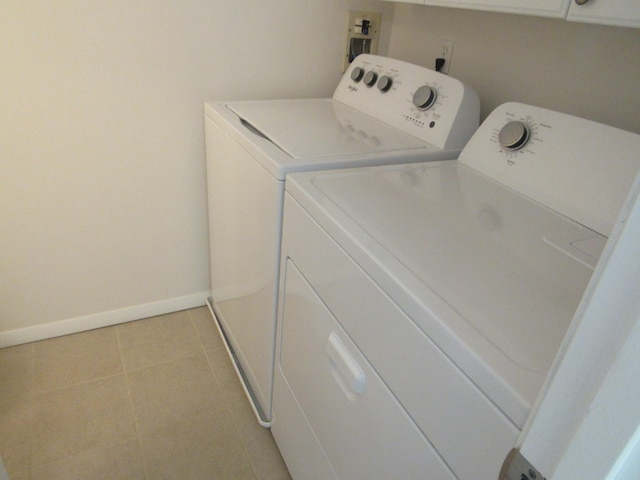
[(545, 8), (624, 13)]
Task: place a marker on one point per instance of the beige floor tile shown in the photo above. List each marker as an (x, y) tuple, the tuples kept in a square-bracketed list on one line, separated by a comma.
[(165, 394), (15, 432), (219, 359), (15, 427), (265, 456), (16, 367), (242, 414), (196, 449), (256, 440), (20, 475), (69, 410), (206, 328), (80, 417), (114, 461), (223, 370), (157, 339), (63, 361), (280, 476)]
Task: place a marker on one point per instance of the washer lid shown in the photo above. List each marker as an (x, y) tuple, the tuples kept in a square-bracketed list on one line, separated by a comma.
[(492, 277), (313, 128)]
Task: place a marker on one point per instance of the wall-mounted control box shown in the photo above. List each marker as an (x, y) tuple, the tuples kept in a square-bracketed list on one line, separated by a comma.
[(362, 35)]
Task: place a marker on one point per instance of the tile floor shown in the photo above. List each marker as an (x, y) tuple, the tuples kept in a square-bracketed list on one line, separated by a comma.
[(151, 399)]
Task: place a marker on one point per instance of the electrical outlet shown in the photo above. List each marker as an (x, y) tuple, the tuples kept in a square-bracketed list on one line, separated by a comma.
[(446, 52)]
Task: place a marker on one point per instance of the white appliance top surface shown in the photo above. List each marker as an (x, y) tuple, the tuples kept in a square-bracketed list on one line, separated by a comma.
[(463, 254), (575, 166), (380, 113), (313, 128), (323, 134)]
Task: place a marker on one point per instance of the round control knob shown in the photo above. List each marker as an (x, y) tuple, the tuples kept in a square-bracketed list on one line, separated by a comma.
[(357, 74), (514, 135), (385, 83), (370, 78), (424, 97)]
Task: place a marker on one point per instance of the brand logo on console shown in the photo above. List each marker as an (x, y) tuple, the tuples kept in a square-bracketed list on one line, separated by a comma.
[(352, 88)]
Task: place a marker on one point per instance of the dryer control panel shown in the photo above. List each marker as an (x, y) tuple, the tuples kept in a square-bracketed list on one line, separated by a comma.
[(434, 107), (575, 166)]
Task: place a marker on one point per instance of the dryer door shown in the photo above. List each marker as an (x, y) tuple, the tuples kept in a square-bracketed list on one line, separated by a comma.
[(331, 410)]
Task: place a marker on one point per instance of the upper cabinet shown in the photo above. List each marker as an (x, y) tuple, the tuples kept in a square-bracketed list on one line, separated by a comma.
[(545, 8), (625, 13)]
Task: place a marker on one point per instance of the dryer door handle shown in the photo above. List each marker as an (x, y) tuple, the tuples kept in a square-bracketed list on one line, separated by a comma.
[(344, 368)]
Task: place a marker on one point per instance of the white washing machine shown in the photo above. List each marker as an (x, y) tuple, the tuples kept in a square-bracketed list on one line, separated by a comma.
[(422, 305), (383, 111)]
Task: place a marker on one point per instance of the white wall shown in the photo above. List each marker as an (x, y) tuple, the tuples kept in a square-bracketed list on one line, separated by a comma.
[(587, 70), (102, 188)]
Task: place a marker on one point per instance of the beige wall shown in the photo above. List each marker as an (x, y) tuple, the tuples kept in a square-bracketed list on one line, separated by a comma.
[(102, 188), (587, 70)]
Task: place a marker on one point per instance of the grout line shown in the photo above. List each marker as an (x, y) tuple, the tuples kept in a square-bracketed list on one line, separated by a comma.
[(165, 362), (31, 400), (80, 382), (162, 362), (133, 411), (197, 332), (76, 384)]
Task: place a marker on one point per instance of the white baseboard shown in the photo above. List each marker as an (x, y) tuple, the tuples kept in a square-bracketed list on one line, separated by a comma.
[(101, 319)]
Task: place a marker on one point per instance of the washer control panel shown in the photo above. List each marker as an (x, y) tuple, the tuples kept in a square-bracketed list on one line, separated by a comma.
[(575, 166), (429, 105)]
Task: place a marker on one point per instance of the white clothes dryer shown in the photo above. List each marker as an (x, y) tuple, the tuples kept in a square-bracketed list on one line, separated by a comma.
[(422, 305), (383, 111)]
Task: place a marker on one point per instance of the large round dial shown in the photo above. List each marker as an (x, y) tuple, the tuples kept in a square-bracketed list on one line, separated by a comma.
[(357, 74), (424, 97), (370, 78), (514, 135)]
